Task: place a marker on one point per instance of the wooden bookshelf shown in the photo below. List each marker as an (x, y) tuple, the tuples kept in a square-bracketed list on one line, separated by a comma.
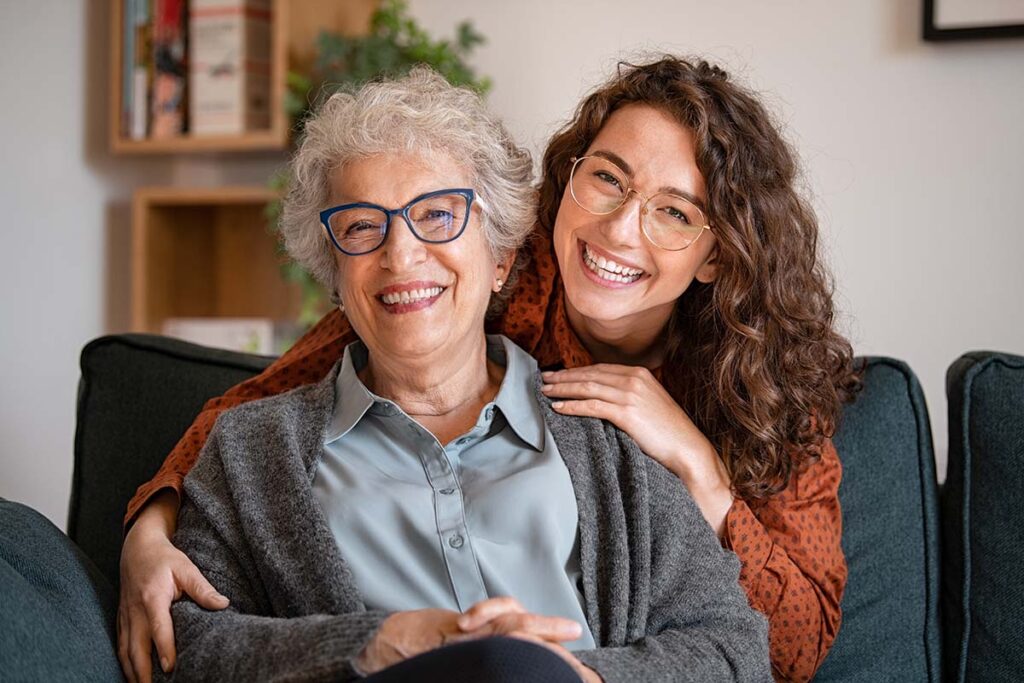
[(295, 25), (205, 253)]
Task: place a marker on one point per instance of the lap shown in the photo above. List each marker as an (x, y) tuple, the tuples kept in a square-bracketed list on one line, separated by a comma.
[(497, 660)]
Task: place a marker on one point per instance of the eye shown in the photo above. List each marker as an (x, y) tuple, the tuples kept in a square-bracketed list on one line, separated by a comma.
[(676, 215), (438, 215), (608, 178), (360, 228)]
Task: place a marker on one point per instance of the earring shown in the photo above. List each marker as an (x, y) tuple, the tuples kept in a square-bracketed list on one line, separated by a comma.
[(336, 300), (500, 283)]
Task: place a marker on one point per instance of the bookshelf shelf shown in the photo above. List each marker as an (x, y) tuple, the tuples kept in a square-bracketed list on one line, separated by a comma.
[(294, 27), (205, 252)]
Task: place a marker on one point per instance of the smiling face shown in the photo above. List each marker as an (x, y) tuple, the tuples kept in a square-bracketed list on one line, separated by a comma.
[(409, 299), (613, 275)]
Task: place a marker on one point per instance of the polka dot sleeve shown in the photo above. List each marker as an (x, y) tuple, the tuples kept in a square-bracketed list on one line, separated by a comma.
[(792, 565), (306, 362)]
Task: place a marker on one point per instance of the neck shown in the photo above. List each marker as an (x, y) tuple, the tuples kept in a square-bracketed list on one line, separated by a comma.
[(433, 387), (635, 340)]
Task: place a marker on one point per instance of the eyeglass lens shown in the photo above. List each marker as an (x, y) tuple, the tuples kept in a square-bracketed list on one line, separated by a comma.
[(440, 218), (601, 187)]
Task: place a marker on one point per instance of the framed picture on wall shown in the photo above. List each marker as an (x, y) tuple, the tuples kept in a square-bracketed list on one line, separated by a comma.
[(972, 19)]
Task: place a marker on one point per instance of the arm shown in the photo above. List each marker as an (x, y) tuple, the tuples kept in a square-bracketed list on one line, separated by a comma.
[(153, 571), (789, 547), (700, 626), (247, 640), (306, 362), (793, 568)]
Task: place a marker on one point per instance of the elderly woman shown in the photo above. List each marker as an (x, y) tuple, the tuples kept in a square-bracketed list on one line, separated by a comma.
[(425, 493)]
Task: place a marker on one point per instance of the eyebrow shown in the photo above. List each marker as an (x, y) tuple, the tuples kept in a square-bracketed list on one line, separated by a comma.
[(624, 165)]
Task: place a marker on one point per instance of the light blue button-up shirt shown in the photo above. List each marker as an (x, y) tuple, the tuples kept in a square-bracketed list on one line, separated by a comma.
[(421, 524)]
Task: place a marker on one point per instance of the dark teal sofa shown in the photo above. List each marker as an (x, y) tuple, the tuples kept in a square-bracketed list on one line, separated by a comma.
[(138, 393)]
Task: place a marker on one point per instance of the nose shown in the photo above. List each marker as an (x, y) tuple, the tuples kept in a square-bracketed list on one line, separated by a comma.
[(401, 251), (622, 226)]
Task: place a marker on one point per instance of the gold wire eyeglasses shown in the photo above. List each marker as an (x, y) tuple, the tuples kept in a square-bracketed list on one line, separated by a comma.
[(599, 186)]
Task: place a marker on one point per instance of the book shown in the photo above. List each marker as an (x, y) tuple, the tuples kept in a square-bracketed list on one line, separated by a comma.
[(127, 65), (141, 68), (251, 335), (229, 66), (169, 69)]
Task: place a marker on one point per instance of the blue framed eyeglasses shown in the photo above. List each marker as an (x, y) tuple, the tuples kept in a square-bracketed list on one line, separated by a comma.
[(435, 217)]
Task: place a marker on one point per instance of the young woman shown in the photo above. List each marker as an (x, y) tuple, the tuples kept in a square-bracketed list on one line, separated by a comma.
[(675, 288)]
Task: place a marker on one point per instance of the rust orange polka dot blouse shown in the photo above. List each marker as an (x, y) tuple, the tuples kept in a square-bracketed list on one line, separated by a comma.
[(793, 569)]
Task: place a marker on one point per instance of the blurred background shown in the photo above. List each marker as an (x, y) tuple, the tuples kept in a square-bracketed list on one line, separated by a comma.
[(912, 152)]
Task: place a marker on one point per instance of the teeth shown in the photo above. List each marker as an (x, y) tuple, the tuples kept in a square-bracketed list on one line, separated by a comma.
[(411, 295), (612, 270)]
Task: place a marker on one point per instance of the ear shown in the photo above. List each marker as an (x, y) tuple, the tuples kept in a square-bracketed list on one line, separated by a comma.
[(708, 270), (502, 269)]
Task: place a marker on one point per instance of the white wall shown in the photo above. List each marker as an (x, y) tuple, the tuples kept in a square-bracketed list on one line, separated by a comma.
[(913, 153)]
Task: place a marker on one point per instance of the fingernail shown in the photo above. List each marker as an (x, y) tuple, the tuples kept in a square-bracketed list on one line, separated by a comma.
[(547, 373), (165, 664), (462, 621), (545, 387), (557, 405)]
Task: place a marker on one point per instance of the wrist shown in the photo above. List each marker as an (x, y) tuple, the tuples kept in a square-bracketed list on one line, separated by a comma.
[(159, 516)]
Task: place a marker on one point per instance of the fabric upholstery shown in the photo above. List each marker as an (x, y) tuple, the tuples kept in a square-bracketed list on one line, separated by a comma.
[(890, 628), (137, 395), (56, 609), (983, 579)]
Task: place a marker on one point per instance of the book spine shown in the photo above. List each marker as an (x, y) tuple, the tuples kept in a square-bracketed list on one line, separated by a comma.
[(127, 64), (141, 71), (229, 66), (169, 80)]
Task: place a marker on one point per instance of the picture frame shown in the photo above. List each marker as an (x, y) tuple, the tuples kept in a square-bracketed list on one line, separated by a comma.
[(948, 20)]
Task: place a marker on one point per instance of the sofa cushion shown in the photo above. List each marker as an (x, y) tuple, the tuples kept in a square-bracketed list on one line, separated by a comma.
[(890, 628), (56, 609), (983, 519), (137, 396)]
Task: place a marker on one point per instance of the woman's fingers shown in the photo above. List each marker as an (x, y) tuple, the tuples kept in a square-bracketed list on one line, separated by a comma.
[(123, 638), (602, 410), (161, 629), (486, 610), (139, 647), (552, 629), (588, 389), (192, 582)]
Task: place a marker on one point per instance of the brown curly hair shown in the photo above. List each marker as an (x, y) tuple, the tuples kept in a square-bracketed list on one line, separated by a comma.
[(752, 357)]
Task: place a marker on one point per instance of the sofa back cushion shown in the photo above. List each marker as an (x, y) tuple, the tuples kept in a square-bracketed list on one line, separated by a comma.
[(136, 397), (890, 628), (983, 519)]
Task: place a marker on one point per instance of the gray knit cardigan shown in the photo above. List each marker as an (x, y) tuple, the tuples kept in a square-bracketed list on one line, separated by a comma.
[(662, 596)]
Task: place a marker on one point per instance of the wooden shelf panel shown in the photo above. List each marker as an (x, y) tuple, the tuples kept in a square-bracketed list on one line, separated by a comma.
[(206, 252)]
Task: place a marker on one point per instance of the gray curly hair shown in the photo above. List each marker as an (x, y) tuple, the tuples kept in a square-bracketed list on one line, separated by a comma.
[(420, 113)]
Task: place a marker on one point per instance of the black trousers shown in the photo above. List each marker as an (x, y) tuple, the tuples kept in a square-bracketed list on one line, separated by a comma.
[(490, 660)]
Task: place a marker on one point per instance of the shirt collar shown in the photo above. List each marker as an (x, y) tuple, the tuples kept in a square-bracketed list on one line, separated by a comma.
[(515, 398), (351, 397)]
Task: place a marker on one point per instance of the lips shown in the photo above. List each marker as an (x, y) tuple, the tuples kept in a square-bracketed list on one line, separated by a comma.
[(608, 269), (410, 296)]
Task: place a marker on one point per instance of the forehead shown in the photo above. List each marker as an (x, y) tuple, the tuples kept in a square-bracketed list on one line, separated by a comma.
[(659, 150), (394, 179)]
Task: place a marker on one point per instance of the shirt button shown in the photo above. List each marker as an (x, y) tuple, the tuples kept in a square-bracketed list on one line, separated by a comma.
[(489, 413), (463, 441), (447, 492), (456, 541)]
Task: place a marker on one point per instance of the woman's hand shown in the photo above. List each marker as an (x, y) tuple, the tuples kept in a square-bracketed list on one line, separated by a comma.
[(407, 634), (634, 401), (499, 616), (153, 574)]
